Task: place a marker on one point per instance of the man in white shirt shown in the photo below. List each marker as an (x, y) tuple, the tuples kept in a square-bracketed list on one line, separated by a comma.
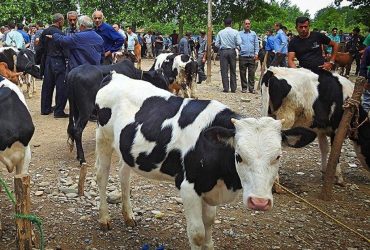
[(148, 42), (132, 40)]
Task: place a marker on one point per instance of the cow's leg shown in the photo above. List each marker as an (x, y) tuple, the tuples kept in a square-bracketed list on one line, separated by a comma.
[(103, 160), (193, 212), (209, 215), (127, 213), (23, 164), (324, 150), (79, 128)]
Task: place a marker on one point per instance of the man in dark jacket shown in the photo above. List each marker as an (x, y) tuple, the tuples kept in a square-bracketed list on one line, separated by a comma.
[(354, 46), (86, 46), (54, 70)]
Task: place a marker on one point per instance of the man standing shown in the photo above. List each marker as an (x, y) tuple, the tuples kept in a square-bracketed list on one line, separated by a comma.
[(86, 47), (355, 45), (174, 39), (269, 48), (158, 44), (26, 37), (201, 59), (149, 44), (248, 57), (184, 47), (113, 41), (54, 69), (280, 46), (72, 22), (132, 40), (334, 37), (307, 47), (228, 40), (14, 38)]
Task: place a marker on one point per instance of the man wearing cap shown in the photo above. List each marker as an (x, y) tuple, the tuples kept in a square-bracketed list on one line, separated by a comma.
[(228, 40), (201, 59)]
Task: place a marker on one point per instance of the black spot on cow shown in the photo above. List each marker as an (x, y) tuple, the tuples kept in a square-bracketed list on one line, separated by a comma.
[(266, 77), (185, 58), (147, 162), (278, 90), (7, 56), (126, 140), (15, 122), (223, 119), (153, 112), (191, 111), (173, 163), (104, 115)]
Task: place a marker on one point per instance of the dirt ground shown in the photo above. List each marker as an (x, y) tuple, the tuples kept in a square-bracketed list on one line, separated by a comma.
[(70, 222)]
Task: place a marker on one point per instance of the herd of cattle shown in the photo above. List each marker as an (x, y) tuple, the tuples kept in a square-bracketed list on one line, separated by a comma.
[(209, 151)]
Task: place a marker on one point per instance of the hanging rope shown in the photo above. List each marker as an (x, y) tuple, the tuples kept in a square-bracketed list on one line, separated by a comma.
[(323, 212)]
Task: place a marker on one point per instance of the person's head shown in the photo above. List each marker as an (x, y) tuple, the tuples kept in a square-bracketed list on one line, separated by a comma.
[(340, 32), (277, 26), (39, 24), (11, 25), (2, 29), (268, 32), (129, 30), (228, 21), (98, 17), (26, 29), (247, 24), (20, 26), (33, 29), (334, 31), (285, 29), (58, 20), (72, 19), (302, 25), (356, 31), (174, 32), (85, 23), (188, 34), (116, 26), (202, 33)]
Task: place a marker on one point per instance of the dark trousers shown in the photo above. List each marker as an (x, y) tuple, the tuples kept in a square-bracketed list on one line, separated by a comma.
[(247, 64), (228, 61), (54, 75), (201, 74), (279, 60), (355, 57), (270, 57)]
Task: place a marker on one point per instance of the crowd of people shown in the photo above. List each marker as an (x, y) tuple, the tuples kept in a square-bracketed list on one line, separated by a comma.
[(93, 41)]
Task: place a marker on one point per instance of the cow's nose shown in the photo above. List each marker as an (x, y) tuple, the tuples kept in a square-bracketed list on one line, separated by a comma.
[(256, 203)]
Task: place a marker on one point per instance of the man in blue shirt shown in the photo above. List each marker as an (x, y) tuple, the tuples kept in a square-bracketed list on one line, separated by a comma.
[(280, 47), (26, 37), (227, 40), (248, 57), (113, 41), (270, 47), (184, 47), (85, 47), (334, 37)]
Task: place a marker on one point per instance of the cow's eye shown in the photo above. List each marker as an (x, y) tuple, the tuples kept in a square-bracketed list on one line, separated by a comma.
[(238, 158)]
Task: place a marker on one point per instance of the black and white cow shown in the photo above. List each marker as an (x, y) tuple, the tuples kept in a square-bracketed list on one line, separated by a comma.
[(210, 152), (312, 100), (16, 129), (181, 71), (83, 84)]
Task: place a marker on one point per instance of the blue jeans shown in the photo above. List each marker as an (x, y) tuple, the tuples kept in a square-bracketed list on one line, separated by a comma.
[(366, 100)]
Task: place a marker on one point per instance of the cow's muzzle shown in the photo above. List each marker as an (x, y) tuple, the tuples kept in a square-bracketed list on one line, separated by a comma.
[(257, 203)]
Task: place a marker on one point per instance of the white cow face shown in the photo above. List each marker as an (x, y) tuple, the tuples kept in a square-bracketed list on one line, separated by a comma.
[(257, 144)]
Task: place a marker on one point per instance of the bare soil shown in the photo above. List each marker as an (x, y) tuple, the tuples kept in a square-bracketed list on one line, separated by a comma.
[(71, 223)]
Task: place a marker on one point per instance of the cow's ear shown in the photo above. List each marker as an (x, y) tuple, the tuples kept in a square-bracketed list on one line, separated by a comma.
[(219, 135), (298, 137)]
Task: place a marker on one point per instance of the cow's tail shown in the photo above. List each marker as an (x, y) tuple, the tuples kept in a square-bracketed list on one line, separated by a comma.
[(265, 99), (72, 110)]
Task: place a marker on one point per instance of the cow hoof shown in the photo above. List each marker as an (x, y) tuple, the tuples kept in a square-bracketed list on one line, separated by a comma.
[(130, 222), (339, 182), (105, 226)]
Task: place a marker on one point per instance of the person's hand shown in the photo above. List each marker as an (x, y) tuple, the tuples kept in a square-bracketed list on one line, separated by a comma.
[(256, 57), (107, 54), (327, 66), (367, 86)]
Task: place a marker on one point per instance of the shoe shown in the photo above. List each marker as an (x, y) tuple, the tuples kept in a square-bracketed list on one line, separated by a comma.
[(62, 115), (46, 113), (233, 91), (225, 91), (244, 91), (252, 92), (199, 82)]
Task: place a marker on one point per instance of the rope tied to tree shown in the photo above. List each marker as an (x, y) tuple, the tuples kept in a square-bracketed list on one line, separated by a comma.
[(350, 103), (31, 217)]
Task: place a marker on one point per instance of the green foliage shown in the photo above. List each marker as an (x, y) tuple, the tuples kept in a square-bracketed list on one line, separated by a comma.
[(189, 15)]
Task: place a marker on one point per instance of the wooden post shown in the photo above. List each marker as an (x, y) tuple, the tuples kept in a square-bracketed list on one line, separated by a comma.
[(340, 135), (23, 204), (81, 179), (209, 42)]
